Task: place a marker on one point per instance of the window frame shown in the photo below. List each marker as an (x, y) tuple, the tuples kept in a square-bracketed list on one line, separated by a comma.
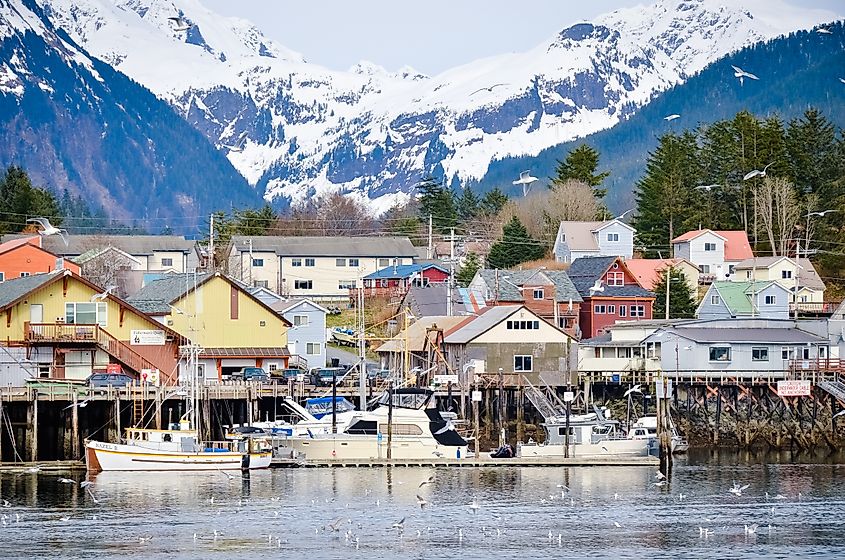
[(296, 262), (297, 320), (715, 299), (309, 346), (708, 244), (612, 237), (347, 284), (258, 263), (383, 263), (618, 278), (716, 359), (310, 261), (623, 310), (340, 262), (773, 297), (303, 284), (167, 261), (786, 275), (101, 313), (354, 262), (761, 351), (522, 359), (540, 291)]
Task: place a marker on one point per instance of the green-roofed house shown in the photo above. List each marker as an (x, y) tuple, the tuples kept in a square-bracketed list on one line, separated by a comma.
[(731, 300)]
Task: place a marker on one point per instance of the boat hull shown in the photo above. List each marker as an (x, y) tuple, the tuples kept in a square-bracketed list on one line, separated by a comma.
[(351, 448), (102, 456), (607, 448)]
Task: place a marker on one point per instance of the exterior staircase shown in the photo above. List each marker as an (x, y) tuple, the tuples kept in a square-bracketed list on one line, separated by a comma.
[(835, 387), (541, 402)]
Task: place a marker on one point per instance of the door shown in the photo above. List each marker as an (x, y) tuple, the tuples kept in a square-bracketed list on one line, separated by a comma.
[(36, 313)]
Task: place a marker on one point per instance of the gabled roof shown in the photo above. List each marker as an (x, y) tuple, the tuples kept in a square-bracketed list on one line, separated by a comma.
[(13, 290), (284, 306), (20, 242), (416, 334), (94, 253), (402, 271), (739, 335), (579, 236), (473, 327), (807, 276), (326, 246), (649, 271), (737, 246), (430, 301), (585, 271), (510, 282), (737, 295), (132, 244)]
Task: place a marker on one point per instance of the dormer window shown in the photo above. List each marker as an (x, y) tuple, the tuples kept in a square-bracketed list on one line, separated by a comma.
[(615, 278)]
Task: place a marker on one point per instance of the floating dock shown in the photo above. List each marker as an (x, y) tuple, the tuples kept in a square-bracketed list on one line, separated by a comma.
[(644, 461)]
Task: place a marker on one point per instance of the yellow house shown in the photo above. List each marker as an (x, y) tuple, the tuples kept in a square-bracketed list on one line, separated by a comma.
[(801, 280), (233, 328), (72, 328)]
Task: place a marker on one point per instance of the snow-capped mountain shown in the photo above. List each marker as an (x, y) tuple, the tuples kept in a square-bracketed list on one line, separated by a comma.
[(73, 122), (293, 128)]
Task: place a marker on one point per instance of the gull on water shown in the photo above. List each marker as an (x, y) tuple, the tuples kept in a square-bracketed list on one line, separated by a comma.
[(751, 529), (737, 490), (422, 502), (474, 505)]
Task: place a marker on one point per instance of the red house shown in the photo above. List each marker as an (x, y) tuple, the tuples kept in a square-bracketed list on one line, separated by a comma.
[(395, 280), (25, 257), (610, 292)]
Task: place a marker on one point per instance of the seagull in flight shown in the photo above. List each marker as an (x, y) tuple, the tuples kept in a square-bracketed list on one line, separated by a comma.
[(488, 88), (104, 295), (756, 173), (63, 480), (181, 23), (840, 413), (229, 476), (48, 228), (622, 215), (842, 80), (635, 389), (81, 404), (671, 117), (742, 74), (429, 480), (824, 31), (737, 489), (525, 179), (448, 427), (399, 525), (821, 214), (422, 502), (707, 188)]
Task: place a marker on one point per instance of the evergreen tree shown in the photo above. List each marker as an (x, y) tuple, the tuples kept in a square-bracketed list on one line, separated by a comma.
[(493, 201), (515, 247), (581, 164), (20, 200), (682, 301), (468, 205), (467, 271), (439, 203)]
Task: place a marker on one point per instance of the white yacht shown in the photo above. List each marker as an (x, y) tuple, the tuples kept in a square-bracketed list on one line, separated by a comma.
[(589, 436), (416, 430)]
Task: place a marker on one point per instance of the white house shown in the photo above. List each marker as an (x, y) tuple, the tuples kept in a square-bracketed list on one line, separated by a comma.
[(611, 238), (307, 336), (801, 278), (318, 268), (715, 253)]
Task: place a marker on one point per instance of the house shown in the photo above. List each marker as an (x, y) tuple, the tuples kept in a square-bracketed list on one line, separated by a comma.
[(431, 301), (395, 280), (72, 328), (25, 257), (233, 328), (616, 354), (800, 279), (610, 292), (750, 347), (730, 300), (549, 293), (307, 336), (516, 340), (110, 266), (648, 272), (715, 253), (612, 238), (319, 268), (414, 346)]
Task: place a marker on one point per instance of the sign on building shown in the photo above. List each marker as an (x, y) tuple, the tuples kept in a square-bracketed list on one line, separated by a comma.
[(150, 376), (149, 337), (445, 379), (793, 388)]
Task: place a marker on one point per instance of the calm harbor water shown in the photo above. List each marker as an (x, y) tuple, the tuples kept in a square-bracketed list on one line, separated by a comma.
[(608, 512)]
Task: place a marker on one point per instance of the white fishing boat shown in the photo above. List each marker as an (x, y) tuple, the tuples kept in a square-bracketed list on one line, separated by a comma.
[(646, 428), (589, 436), (410, 428), (178, 449)]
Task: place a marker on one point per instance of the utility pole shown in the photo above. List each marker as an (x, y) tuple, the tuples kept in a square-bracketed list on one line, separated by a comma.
[(502, 436), (430, 246), (210, 243), (451, 271), (797, 274), (668, 285)]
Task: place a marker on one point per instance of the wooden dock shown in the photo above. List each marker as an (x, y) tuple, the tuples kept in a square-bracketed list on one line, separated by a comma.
[(645, 461)]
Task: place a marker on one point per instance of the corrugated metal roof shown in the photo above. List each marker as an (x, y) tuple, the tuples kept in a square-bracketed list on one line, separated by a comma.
[(132, 244), (327, 246), (13, 290), (402, 271), (741, 335), (479, 325), (252, 352), (430, 301)]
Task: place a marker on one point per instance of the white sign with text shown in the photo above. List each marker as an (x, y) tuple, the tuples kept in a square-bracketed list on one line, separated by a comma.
[(793, 388), (150, 337)]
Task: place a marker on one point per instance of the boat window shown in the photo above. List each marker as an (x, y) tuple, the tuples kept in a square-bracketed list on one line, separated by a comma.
[(167, 437), (403, 429), (366, 427), (562, 431), (414, 400)]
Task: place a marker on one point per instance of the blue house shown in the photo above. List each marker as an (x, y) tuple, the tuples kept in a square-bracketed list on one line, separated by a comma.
[(307, 336), (735, 300)]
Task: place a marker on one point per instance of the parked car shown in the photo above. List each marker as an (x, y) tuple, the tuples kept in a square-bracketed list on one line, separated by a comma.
[(98, 380), (289, 374), (250, 374), (322, 377), (379, 374)]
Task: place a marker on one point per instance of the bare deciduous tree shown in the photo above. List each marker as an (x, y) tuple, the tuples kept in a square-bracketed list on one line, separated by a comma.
[(331, 214), (778, 211)]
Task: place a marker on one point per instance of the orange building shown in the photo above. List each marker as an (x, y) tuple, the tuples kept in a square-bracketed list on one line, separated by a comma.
[(25, 257)]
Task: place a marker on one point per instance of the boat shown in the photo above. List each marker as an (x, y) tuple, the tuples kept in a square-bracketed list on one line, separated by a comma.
[(590, 435), (404, 424), (178, 448), (646, 428), (344, 336)]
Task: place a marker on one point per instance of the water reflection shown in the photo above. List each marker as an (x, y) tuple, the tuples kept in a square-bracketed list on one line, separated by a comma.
[(341, 513)]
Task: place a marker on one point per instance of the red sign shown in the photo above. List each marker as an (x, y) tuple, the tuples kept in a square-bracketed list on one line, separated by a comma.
[(114, 368)]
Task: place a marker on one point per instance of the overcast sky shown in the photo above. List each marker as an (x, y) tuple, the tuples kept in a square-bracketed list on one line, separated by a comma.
[(430, 35)]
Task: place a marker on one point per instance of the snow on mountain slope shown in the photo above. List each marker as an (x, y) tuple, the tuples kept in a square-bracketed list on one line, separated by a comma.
[(294, 129)]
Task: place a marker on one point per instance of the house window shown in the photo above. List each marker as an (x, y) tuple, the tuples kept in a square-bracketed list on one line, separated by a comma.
[(770, 300), (731, 268), (87, 313), (312, 348), (705, 268), (709, 246), (748, 274), (599, 309), (272, 367), (786, 274), (261, 283), (383, 263), (805, 353), (615, 278), (623, 352), (166, 262), (346, 285), (309, 262), (623, 310), (340, 262), (522, 325), (638, 311), (652, 350), (715, 300), (353, 262), (611, 310), (787, 353), (300, 320), (303, 284), (24, 274), (523, 363), (296, 262), (383, 283), (613, 237), (257, 262), (720, 353), (760, 354), (539, 293), (2, 276)]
